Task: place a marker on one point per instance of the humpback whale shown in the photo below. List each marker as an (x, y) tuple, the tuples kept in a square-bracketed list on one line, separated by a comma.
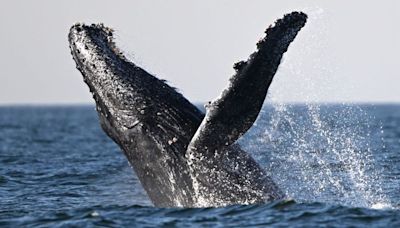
[(183, 157)]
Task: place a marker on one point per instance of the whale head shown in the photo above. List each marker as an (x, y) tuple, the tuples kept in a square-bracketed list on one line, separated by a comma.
[(104, 71), (151, 122), (126, 96)]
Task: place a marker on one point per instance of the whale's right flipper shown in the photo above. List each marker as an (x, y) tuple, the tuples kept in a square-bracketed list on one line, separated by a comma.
[(234, 112)]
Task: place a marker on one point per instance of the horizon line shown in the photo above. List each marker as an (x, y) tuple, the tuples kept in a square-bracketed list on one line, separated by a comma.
[(45, 104)]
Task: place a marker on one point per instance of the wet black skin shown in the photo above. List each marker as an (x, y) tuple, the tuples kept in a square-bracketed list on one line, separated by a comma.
[(180, 157)]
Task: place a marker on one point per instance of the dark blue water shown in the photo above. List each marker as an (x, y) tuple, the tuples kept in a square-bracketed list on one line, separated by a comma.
[(339, 165)]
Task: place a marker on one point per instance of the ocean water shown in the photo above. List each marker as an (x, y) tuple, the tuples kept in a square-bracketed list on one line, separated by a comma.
[(338, 164)]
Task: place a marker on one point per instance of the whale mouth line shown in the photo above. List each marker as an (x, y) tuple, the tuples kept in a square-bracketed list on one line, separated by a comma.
[(182, 157)]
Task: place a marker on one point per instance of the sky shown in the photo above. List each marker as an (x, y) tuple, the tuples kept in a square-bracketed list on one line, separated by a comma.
[(347, 52)]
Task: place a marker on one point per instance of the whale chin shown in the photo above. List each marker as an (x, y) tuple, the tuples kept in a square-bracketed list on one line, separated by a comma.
[(182, 157)]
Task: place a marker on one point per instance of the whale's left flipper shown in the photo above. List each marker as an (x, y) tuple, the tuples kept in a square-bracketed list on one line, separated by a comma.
[(222, 172), (234, 112)]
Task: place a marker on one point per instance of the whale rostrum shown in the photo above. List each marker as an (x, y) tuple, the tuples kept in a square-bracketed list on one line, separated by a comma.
[(182, 157)]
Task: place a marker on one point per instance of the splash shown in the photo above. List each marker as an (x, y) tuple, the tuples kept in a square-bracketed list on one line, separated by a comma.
[(323, 153)]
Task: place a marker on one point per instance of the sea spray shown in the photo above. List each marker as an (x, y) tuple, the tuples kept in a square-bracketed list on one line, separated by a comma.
[(319, 153)]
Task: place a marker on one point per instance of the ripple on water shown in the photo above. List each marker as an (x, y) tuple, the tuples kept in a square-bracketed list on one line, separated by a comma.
[(57, 168)]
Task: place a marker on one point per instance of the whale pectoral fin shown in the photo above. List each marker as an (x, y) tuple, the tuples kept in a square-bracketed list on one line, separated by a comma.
[(234, 112)]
